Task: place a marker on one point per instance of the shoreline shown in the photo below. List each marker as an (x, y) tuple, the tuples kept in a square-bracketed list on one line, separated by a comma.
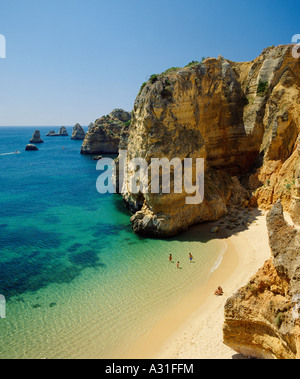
[(193, 328)]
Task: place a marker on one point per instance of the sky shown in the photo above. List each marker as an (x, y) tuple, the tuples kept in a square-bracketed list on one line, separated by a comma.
[(70, 61)]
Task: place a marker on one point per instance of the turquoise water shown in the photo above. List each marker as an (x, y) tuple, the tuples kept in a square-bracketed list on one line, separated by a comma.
[(78, 282)]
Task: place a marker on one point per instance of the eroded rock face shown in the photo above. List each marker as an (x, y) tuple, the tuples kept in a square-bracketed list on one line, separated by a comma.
[(78, 133), (104, 136), (36, 138), (295, 206), (261, 319), (242, 118)]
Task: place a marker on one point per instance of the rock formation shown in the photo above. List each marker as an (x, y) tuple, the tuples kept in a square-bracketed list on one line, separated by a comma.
[(52, 134), (31, 147), (295, 207), (104, 136), (36, 138), (262, 319), (62, 133), (78, 133), (242, 118)]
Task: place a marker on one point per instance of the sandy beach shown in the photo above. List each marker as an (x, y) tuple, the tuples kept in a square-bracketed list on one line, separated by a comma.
[(193, 328)]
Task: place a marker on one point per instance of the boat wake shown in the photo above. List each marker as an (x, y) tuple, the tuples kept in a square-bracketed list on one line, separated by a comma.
[(15, 152)]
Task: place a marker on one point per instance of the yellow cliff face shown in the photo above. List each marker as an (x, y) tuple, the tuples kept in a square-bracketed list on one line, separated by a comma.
[(242, 118)]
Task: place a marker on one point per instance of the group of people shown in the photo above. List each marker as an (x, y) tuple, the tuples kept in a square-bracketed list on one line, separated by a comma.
[(191, 258), (219, 291)]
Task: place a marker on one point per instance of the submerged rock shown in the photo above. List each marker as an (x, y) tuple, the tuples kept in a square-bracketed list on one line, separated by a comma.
[(31, 147), (36, 138), (78, 133)]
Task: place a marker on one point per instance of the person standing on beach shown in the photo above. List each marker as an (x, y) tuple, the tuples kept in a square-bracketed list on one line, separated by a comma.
[(191, 257), (178, 264), (170, 258)]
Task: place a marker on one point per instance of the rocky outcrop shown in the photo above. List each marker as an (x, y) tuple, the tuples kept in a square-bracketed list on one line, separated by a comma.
[(51, 134), (31, 147), (262, 319), (104, 136), (242, 118), (78, 133), (295, 206), (36, 138), (62, 133)]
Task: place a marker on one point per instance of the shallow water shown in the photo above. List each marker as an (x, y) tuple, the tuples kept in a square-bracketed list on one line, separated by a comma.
[(78, 282)]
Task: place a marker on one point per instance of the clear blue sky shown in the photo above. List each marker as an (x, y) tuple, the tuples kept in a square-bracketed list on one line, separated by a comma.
[(73, 61)]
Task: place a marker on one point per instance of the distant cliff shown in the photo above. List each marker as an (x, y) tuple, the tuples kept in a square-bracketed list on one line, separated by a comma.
[(243, 118), (103, 137)]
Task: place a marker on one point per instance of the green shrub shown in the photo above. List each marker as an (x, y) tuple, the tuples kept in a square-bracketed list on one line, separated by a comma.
[(153, 78), (193, 63), (171, 70), (142, 87), (262, 87)]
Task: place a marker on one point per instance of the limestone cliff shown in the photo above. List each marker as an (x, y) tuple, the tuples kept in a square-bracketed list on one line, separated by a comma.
[(262, 319), (103, 136), (243, 118)]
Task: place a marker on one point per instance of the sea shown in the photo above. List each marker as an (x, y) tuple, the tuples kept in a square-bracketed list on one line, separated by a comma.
[(77, 281)]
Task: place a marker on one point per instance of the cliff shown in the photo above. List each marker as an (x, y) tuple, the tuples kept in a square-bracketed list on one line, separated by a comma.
[(103, 136), (262, 319), (243, 118)]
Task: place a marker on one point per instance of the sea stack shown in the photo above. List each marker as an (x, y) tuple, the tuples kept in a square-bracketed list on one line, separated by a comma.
[(78, 133), (51, 134), (63, 132), (36, 138)]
